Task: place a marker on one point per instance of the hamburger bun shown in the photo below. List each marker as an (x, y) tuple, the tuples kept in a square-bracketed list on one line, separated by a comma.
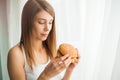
[(66, 48)]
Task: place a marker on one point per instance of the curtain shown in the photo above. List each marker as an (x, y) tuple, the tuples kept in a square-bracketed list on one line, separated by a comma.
[(93, 27), (90, 25)]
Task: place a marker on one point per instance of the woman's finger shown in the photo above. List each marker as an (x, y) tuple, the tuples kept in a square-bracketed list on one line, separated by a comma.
[(67, 61), (64, 57)]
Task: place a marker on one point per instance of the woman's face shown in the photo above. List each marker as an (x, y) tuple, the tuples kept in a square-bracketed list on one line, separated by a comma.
[(42, 25)]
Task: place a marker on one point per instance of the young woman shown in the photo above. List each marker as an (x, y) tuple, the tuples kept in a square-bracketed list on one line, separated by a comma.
[(34, 58)]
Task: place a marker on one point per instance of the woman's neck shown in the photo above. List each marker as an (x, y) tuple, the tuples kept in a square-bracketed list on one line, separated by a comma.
[(39, 52), (37, 46)]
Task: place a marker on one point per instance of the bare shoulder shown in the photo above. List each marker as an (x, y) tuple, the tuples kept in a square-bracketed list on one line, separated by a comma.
[(15, 48), (15, 54), (15, 63), (15, 51)]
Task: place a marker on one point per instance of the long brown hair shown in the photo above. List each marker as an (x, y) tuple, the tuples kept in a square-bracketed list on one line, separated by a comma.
[(31, 8)]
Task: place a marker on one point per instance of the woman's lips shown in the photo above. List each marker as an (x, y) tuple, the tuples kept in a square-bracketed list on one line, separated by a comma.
[(45, 35)]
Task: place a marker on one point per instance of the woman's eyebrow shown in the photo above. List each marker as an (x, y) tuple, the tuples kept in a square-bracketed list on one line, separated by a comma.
[(41, 19), (44, 19)]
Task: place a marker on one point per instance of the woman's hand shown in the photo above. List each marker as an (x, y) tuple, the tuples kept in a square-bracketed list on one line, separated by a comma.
[(70, 68), (73, 65), (56, 66)]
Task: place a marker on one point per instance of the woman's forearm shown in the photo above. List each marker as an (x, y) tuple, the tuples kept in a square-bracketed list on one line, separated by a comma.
[(67, 75)]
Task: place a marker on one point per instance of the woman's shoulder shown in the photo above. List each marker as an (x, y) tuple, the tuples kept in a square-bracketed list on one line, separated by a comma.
[(15, 53), (15, 50)]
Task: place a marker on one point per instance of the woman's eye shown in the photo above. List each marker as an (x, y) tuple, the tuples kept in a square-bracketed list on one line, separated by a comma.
[(41, 22)]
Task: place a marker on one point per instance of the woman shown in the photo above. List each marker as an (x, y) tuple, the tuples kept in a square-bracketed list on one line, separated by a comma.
[(34, 58)]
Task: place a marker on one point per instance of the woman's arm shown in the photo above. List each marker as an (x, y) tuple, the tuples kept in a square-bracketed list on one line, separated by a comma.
[(67, 75), (70, 69), (15, 64)]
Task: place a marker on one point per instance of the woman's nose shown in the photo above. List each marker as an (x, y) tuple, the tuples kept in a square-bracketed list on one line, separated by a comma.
[(47, 27)]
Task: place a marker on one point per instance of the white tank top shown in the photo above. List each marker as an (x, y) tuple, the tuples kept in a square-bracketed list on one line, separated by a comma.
[(35, 73)]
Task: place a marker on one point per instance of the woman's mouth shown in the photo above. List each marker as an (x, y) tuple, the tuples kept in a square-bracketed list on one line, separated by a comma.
[(45, 35)]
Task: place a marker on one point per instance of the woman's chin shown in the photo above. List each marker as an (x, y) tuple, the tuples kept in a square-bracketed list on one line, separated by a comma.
[(43, 39)]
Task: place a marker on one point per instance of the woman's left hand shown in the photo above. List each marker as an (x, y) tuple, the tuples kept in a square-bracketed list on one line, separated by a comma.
[(73, 65), (70, 68)]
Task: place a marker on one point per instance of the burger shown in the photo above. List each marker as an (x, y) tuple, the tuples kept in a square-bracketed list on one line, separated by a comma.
[(66, 48)]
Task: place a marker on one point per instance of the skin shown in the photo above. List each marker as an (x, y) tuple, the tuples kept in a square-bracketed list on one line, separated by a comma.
[(42, 25), (70, 68)]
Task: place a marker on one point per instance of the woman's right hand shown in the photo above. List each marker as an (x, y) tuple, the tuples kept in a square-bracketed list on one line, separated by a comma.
[(56, 66)]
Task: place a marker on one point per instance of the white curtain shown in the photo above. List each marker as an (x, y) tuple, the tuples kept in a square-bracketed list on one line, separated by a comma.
[(90, 25), (93, 27)]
